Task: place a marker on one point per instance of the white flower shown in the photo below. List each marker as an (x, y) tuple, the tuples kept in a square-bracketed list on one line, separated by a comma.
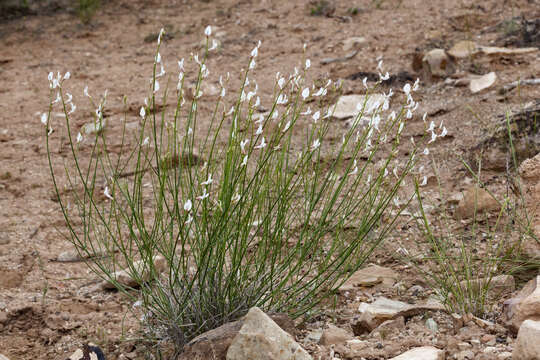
[(407, 88), (58, 98), (262, 144), (243, 144), (305, 93), (409, 114), (385, 172), (252, 64), (50, 76), (275, 115), (320, 92), (189, 219), (355, 168), (204, 195), (142, 112), (244, 161), (158, 58), (188, 205), (208, 31), (231, 110), (316, 116), (214, 45), (204, 71), (181, 64), (223, 92), (156, 86), (73, 108), (255, 52), (385, 76), (424, 117), (85, 91), (416, 85), (424, 181), (364, 82), (281, 83), (307, 112), (401, 125), (426, 151), (315, 145), (259, 130), (282, 99), (379, 65), (107, 193), (44, 119), (257, 102), (236, 198), (431, 126), (160, 36), (79, 137), (308, 64), (444, 132), (287, 126), (67, 75), (208, 181), (433, 137)]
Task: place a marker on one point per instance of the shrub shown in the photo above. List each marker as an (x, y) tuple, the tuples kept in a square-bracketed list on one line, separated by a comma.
[(273, 210)]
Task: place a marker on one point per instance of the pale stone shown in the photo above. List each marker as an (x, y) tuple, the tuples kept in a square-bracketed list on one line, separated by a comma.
[(422, 353), (354, 43), (3, 357), (334, 335), (463, 49), (526, 305), (478, 84), (527, 342), (382, 309), (261, 338), (124, 276), (369, 276), (347, 106), (477, 200), (437, 64), (529, 170)]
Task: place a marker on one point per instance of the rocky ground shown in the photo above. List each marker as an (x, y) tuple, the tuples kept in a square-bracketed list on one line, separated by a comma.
[(49, 302)]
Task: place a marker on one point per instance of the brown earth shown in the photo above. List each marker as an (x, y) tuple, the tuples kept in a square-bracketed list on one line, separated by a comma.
[(46, 309)]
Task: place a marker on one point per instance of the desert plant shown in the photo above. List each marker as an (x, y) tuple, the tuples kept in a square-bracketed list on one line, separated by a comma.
[(86, 9), (272, 210), (462, 258)]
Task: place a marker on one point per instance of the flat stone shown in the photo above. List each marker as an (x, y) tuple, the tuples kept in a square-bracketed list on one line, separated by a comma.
[(369, 276), (437, 64), (347, 106), (334, 335), (354, 43), (480, 83), (476, 200), (124, 276), (422, 353), (3, 357), (261, 338), (527, 342), (382, 309)]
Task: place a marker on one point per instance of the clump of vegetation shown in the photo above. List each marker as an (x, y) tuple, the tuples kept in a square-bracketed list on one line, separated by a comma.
[(271, 209), (86, 9), (321, 8)]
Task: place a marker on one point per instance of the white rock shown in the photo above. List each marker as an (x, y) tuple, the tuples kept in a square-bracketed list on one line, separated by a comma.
[(437, 64), (3, 357), (483, 82), (527, 343), (369, 276), (261, 338), (422, 353), (346, 106), (354, 43), (124, 276)]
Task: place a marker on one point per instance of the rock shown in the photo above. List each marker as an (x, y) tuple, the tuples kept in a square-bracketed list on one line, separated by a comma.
[(261, 338), (437, 64), (527, 342), (124, 276), (390, 325), (432, 325), (369, 276), (95, 127), (3, 357), (465, 355), (497, 285), (480, 83), (88, 351), (214, 344), (526, 305), (476, 200), (347, 106), (422, 353), (463, 49), (529, 171), (382, 309), (494, 51), (334, 335), (354, 43)]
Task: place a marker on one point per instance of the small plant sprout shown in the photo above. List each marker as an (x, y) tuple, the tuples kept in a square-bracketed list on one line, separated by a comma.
[(273, 209)]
